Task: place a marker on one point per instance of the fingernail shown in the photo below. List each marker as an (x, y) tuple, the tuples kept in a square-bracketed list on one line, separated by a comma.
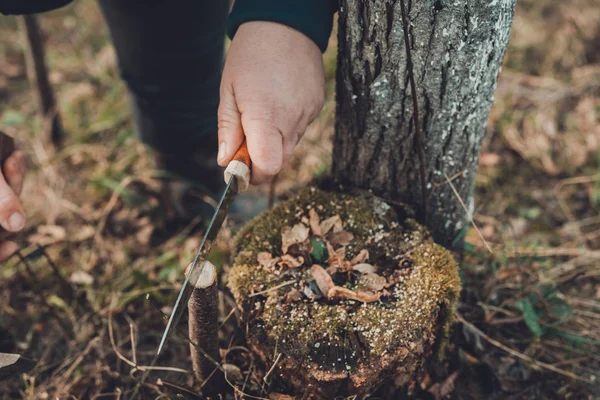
[(16, 221), (222, 151)]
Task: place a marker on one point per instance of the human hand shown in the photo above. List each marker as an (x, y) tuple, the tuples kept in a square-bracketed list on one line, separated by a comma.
[(273, 86), (12, 217)]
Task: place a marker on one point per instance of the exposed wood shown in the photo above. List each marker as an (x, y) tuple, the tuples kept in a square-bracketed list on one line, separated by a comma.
[(37, 73), (456, 52), (203, 312)]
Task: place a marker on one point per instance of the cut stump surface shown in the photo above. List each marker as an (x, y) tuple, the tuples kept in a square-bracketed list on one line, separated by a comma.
[(348, 294)]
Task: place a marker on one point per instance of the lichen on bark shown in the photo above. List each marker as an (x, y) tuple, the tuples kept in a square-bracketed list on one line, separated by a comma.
[(346, 346), (457, 48)]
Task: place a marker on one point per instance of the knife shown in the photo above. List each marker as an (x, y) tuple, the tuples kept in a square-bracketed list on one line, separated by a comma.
[(237, 177)]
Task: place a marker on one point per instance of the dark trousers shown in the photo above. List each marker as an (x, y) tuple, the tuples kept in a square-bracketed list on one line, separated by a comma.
[(170, 55)]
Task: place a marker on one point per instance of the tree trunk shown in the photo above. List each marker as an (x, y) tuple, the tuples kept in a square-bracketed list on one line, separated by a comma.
[(456, 48)]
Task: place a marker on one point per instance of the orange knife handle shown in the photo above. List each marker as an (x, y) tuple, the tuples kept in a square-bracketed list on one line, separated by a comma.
[(240, 167), (242, 155)]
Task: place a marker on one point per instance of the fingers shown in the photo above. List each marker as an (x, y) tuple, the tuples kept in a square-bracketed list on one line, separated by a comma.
[(231, 134), (265, 146), (12, 217), (7, 249), (14, 171)]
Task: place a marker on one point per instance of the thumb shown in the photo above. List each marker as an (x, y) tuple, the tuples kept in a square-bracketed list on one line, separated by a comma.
[(231, 134)]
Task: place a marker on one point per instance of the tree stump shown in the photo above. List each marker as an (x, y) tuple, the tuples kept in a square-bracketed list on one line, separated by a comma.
[(350, 295)]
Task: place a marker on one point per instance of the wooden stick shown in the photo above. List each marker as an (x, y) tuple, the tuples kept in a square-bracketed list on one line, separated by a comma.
[(203, 315), (37, 73)]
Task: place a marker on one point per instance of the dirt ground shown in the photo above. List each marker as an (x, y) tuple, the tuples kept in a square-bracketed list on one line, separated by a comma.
[(100, 266)]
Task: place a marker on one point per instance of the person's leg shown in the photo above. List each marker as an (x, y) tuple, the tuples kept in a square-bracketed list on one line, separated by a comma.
[(170, 55)]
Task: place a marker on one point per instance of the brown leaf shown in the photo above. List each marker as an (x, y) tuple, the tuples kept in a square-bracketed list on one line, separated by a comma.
[(360, 257), (289, 261), (343, 293), (364, 268), (291, 236), (372, 282), (342, 238), (266, 259), (293, 296), (327, 224), (314, 222), (279, 396), (48, 234), (322, 278)]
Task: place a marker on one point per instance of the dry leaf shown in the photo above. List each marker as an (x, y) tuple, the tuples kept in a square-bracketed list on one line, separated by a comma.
[(314, 222), (293, 296), (82, 278), (143, 235), (337, 227), (84, 233), (342, 238), (364, 268), (289, 261), (327, 224), (279, 396), (343, 293), (372, 282), (291, 236), (360, 257), (48, 234), (266, 259), (322, 278)]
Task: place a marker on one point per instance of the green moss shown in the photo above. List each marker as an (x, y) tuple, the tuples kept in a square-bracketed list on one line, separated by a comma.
[(429, 284)]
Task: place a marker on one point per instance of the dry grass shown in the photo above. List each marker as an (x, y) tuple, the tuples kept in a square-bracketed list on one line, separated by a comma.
[(94, 206)]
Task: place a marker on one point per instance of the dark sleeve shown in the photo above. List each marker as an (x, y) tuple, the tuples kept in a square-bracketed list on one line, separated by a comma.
[(8, 7), (314, 18)]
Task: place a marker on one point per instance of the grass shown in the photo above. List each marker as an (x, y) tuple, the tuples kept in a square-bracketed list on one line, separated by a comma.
[(530, 311)]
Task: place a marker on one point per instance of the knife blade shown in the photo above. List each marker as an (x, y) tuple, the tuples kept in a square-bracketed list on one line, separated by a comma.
[(237, 176)]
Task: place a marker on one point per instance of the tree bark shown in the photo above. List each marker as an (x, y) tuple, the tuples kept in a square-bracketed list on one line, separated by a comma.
[(456, 48)]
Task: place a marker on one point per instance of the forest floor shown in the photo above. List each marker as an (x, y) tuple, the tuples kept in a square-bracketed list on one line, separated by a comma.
[(76, 302)]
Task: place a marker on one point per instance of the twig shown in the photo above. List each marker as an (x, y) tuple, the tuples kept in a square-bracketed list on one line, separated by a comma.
[(132, 344), (413, 89), (284, 284), (266, 377), (203, 326), (462, 203), (520, 355), (38, 75)]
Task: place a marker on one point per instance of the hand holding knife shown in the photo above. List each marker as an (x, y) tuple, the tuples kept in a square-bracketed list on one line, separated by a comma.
[(237, 176)]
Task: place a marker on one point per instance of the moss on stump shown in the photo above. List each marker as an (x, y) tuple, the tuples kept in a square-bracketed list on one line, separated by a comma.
[(336, 343)]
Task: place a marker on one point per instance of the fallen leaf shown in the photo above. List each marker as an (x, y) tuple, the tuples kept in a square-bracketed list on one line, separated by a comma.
[(327, 224), (360, 257), (48, 234), (293, 296), (143, 235), (364, 268), (266, 259), (322, 278), (289, 261), (84, 233), (489, 159), (343, 293), (372, 282), (314, 222), (279, 396), (82, 278), (342, 238), (291, 236)]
